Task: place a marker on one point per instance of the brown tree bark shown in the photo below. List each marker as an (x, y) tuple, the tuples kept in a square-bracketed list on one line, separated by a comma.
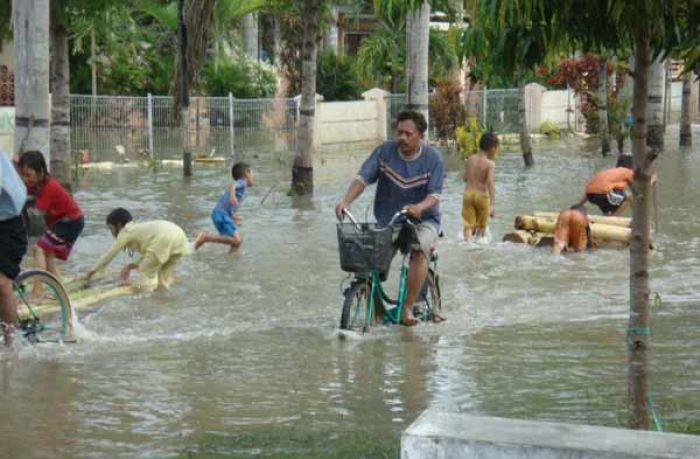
[(302, 169), (525, 143), (183, 97), (60, 105), (603, 109), (686, 136), (638, 333)]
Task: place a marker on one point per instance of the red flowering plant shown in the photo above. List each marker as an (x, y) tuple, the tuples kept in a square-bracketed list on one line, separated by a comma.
[(582, 74)]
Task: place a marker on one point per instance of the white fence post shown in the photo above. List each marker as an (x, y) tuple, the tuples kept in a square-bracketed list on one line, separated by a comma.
[(151, 149), (232, 131), (484, 97)]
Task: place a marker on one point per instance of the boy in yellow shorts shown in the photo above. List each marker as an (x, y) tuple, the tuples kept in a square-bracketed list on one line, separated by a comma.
[(480, 192), (160, 243)]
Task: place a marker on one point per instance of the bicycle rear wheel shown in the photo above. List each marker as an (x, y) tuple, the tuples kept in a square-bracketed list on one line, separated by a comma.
[(355, 315), (43, 307)]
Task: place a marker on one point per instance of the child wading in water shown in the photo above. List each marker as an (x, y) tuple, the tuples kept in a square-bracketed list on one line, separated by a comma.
[(572, 231), (224, 213), (160, 243), (480, 192), (62, 215)]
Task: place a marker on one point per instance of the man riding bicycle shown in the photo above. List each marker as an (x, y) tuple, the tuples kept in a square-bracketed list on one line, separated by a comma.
[(409, 176)]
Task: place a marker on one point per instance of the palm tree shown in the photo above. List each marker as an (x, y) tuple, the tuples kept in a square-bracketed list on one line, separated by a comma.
[(250, 35), (602, 107), (60, 95), (655, 104), (31, 42), (686, 135), (417, 40)]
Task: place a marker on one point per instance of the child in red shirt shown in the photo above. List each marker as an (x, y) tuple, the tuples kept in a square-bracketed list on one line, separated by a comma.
[(63, 217)]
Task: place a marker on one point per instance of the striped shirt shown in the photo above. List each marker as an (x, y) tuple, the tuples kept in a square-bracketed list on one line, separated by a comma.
[(401, 181)]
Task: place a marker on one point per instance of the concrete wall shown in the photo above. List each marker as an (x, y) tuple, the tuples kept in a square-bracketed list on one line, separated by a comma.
[(554, 105), (7, 128), (437, 434), (345, 122)]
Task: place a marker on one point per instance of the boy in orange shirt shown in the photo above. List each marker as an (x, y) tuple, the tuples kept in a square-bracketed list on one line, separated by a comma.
[(606, 189)]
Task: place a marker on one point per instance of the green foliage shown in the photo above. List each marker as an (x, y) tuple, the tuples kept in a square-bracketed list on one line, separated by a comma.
[(244, 77), (337, 78), (468, 136), (550, 128), (446, 109)]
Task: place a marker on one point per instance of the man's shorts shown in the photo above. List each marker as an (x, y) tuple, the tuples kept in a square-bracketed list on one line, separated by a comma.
[(425, 239), (13, 246), (607, 203), (475, 209), (224, 223), (59, 239)]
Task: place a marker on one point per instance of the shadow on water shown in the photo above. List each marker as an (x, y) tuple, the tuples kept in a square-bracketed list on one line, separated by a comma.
[(242, 356)]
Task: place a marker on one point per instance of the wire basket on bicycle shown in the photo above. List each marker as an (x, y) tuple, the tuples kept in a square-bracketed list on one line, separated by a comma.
[(364, 247)]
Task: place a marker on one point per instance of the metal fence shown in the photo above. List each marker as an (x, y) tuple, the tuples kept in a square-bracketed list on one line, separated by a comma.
[(218, 126), (497, 109)]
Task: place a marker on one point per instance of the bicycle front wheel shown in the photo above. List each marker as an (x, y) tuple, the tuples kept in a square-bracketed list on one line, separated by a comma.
[(43, 307), (355, 315)]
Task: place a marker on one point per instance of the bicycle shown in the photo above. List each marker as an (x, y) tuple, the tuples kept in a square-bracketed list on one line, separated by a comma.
[(366, 250), (44, 312)]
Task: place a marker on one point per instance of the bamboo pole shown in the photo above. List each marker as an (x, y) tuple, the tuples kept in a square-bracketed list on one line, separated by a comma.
[(598, 230), (604, 219)]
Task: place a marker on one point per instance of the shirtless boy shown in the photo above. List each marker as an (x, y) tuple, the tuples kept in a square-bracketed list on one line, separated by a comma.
[(480, 192)]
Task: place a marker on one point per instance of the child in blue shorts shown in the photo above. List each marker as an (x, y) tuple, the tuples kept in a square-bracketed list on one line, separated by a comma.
[(224, 213)]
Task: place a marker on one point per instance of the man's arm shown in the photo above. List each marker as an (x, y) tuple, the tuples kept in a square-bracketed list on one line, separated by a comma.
[(354, 190), (416, 210)]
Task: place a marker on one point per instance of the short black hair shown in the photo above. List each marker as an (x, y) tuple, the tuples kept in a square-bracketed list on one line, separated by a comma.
[(35, 161), (239, 170), (119, 216), (488, 141), (417, 118), (625, 161)]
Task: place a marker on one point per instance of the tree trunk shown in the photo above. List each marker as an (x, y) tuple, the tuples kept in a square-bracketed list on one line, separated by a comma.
[(638, 333), (667, 93), (603, 109), (184, 98), (60, 104), (31, 41), (250, 36), (686, 139), (93, 62), (276, 43), (302, 169), (655, 105), (525, 144), (330, 39), (417, 41)]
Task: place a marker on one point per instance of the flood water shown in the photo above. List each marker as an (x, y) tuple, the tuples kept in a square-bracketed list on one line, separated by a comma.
[(242, 357)]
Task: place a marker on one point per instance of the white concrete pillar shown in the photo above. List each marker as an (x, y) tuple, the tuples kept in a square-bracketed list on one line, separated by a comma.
[(379, 96), (533, 105)]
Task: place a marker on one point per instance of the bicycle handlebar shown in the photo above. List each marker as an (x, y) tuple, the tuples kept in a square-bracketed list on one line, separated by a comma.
[(394, 219)]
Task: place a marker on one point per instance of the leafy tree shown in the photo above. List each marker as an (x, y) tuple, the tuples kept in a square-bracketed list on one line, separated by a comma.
[(336, 77)]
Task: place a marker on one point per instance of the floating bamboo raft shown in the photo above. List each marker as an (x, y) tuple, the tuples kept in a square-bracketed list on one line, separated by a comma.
[(537, 229)]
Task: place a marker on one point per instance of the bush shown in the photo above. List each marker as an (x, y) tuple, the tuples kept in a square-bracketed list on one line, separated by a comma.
[(337, 77), (446, 109), (550, 128), (242, 76), (468, 136)]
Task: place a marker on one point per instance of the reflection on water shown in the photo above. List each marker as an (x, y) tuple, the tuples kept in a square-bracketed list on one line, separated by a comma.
[(242, 357)]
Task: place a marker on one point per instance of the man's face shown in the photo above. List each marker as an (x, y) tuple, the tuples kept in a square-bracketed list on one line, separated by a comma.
[(408, 137)]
